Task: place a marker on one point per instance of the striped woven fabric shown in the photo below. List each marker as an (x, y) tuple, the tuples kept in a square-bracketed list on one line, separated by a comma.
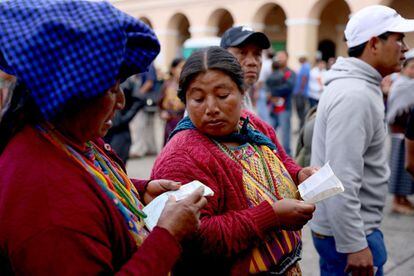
[(277, 253), (266, 178)]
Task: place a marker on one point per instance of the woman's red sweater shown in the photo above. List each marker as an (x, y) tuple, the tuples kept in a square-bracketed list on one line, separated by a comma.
[(229, 229), (56, 220)]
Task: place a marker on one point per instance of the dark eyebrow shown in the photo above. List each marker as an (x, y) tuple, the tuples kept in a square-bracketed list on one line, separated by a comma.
[(400, 35), (195, 89), (221, 85)]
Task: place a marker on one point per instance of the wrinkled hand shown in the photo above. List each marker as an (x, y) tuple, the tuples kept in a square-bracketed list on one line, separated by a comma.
[(159, 186), (360, 263), (292, 213), (182, 218), (306, 172)]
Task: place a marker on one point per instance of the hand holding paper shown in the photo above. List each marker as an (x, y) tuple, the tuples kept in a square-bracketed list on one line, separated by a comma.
[(306, 172), (182, 218), (155, 208), (321, 185), (292, 214)]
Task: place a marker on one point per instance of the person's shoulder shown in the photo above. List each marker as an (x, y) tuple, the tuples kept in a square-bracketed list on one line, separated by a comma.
[(44, 176), (26, 149), (350, 88), (187, 153), (38, 165), (189, 143), (30, 151), (184, 138), (352, 102)]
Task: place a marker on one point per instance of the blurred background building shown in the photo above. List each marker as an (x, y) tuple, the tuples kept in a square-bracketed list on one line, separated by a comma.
[(302, 27)]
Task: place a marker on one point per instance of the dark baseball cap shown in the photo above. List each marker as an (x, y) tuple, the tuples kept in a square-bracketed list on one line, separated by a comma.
[(237, 36)]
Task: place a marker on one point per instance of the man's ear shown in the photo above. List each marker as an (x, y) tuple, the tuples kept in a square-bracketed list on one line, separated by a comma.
[(374, 44)]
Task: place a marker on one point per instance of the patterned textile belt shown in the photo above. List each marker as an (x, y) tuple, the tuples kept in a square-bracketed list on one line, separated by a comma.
[(288, 265), (293, 270), (320, 236)]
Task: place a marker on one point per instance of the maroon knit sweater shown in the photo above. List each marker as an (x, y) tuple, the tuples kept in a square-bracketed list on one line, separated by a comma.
[(229, 229), (56, 220)]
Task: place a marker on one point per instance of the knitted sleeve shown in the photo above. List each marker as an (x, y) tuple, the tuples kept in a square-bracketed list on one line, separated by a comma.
[(228, 225), (88, 256)]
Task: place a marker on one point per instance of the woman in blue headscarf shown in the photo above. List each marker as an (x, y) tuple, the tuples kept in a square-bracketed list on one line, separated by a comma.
[(66, 204)]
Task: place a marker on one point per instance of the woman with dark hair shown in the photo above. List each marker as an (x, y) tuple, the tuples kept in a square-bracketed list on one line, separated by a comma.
[(252, 223), (172, 109), (66, 203)]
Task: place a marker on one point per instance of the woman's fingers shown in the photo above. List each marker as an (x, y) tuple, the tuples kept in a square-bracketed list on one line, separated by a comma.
[(201, 203), (195, 199), (171, 199), (169, 185), (195, 196)]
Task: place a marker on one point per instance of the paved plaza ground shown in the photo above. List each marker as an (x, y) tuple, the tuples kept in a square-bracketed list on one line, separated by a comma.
[(398, 231)]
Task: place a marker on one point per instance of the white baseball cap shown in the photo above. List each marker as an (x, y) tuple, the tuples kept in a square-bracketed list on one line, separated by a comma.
[(373, 21)]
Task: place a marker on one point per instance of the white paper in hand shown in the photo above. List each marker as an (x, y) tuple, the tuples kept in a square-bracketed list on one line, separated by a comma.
[(320, 185), (154, 209)]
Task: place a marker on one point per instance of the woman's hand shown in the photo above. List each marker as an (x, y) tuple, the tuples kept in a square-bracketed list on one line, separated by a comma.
[(182, 218), (292, 213), (159, 186), (306, 172)]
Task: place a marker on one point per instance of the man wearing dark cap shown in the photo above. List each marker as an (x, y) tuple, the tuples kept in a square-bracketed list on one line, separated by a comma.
[(247, 46)]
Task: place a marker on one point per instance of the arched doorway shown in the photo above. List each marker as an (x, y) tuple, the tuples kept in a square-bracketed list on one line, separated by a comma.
[(270, 19), (333, 16), (219, 21), (327, 49), (178, 31)]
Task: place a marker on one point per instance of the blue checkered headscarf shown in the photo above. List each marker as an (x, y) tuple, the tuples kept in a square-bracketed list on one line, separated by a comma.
[(66, 50)]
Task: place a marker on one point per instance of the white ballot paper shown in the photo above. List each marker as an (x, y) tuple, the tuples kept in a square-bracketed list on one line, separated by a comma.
[(154, 208), (320, 185)]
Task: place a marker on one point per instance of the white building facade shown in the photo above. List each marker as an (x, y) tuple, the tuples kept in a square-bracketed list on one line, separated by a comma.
[(302, 27)]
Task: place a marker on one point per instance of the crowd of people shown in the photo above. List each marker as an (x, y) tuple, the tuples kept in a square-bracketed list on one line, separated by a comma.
[(85, 93)]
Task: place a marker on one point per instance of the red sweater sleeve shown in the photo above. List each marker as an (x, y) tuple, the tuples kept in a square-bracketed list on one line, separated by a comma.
[(288, 161), (62, 251), (56, 220), (224, 232)]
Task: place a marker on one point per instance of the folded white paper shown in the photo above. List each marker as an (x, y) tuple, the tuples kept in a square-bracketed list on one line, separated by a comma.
[(321, 185), (154, 208)]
